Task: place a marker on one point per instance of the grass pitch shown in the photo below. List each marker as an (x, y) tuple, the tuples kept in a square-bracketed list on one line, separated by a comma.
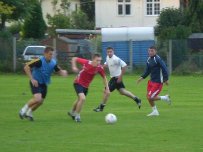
[(177, 129)]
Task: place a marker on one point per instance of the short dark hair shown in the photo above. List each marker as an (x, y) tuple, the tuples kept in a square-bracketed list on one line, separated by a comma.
[(96, 55), (110, 48), (152, 47), (48, 49)]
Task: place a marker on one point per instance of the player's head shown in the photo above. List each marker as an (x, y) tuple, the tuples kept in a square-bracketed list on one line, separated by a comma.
[(96, 59), (110, 51), (48, 53), (152, 51)]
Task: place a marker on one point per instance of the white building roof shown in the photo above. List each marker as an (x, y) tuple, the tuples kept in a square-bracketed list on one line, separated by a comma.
[(127, 33)]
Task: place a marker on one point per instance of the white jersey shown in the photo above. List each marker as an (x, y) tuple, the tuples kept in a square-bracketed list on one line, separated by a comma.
[(115, 64)]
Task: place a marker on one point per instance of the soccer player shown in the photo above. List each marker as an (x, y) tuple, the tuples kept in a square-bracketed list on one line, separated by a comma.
[(39, 72), (117, 68), (83, 80), (159, 75)]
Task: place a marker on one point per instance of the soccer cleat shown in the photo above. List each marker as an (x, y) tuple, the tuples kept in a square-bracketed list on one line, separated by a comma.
[(153, 113), (71, 115), (100, 108), (77, 119), (21, 115), (30, 118), (138, 101), (168, 100)]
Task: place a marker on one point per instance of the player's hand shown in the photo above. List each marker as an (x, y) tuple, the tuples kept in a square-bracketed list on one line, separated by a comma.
[(63, 73), (34, 82), (75, 69), (139, 80), (166, 83)]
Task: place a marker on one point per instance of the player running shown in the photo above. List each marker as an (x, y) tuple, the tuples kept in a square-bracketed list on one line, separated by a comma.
[(83, 80), (159, 75), (116, 68), (39, 72)]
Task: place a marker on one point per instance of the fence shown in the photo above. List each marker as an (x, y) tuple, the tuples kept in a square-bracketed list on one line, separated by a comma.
[(11, 50), (180, 58)]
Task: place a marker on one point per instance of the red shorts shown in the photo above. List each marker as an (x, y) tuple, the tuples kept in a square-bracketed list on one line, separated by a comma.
[(153, 89)]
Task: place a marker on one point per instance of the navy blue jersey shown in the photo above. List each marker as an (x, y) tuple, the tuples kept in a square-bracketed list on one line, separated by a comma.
[(157, 69)]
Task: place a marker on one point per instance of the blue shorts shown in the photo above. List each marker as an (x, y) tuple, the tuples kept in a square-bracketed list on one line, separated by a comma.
[(42, 88), (80, 89)]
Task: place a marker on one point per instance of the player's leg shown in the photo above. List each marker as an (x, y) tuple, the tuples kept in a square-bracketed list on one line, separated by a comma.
[(38, 94), (153, 90), (77, 106), (33, 105), (105, 98), (72, 112), (121, 88)]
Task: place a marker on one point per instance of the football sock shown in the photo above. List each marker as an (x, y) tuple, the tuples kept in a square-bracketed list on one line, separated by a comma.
[(29, 112), (164, 98), (25, 108), (154, 108), (77, 115)]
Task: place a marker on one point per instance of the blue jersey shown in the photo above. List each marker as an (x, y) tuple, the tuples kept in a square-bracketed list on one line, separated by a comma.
[(157, 69), (43, 73)]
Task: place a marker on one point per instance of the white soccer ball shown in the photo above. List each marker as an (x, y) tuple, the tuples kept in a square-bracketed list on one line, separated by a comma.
[(110, 118)]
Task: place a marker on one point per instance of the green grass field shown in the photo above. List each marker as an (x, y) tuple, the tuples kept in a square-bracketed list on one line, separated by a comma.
[(179, 128)]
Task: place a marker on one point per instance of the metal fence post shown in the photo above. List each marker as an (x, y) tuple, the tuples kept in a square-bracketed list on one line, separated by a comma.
[(14, 54), (170, 57), (131, 55)]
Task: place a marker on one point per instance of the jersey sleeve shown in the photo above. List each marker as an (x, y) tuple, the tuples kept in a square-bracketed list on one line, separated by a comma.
[(35, 63), (102, 72), (147, 72), (57, 68), (164, 69), (82, 61), (122, 63)]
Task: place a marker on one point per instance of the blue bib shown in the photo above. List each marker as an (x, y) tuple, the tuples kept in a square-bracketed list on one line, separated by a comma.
[(43, 74)]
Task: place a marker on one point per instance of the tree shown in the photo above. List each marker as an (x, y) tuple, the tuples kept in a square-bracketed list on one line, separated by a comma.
[(170, 25), (57, 21), (88, 7), (34, 25), (21, 9), (194, 17), (79, 20)]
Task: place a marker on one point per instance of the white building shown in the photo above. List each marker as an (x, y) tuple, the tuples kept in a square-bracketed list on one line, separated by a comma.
[(49, 8), (130, 13)]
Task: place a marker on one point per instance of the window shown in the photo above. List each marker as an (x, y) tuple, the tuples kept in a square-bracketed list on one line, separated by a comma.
[(124, 7), (152, 7)]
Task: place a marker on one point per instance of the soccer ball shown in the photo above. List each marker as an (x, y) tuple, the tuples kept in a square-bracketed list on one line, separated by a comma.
[(110, 118)]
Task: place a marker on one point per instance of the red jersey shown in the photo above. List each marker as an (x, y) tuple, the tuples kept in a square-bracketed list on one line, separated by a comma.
[(88, 72)]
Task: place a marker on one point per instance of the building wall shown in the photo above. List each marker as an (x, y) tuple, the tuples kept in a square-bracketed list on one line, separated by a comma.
[(107, 16), (47, 7)]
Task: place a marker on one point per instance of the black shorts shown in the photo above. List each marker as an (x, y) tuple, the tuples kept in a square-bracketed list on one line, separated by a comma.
[(80, 89), (114, 85), (42, 88)]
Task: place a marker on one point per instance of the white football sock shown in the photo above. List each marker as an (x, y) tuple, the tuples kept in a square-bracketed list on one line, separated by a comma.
[(164, 98), (25, 108), (154, 108), (77, 115), (29, 112)]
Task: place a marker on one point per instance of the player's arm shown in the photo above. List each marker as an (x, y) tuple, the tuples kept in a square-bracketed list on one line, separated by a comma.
[(60, 71), (145, 74), (123, 69), (74, 62), (105, 65), (27, 68), (164, 71)]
